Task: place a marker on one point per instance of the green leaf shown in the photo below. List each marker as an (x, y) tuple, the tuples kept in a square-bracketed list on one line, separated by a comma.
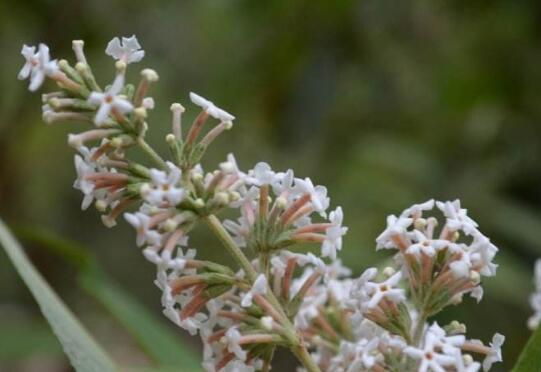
[(158, 341), (530, 360), (82, 350)]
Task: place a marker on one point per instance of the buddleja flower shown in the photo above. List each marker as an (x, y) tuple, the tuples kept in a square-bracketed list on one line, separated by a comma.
[(333, 234), (110, 102), (303, 301), (259, 288), (164, 188), (282, 205), (38, 65), (446, 258), (211, 109), (438, 353), (128, 50)]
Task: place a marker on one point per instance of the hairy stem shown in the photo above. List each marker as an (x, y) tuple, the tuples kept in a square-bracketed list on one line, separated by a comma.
[(151, 153), (298, 347), (217, 228), (418, 332)]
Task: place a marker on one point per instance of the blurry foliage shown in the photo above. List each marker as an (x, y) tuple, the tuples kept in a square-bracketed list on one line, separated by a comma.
[(84, 353), (386, 102)]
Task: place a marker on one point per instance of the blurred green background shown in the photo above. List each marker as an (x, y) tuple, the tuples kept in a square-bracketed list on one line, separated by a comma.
[(385, 102)]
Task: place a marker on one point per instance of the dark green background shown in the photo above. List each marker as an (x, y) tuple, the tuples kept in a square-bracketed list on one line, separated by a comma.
[(386, 102)]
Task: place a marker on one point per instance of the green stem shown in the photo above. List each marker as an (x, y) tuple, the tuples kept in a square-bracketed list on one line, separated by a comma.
[(216, 226), (305, 358), (264, 263), (298, 347), (151, 153), (419, 330)]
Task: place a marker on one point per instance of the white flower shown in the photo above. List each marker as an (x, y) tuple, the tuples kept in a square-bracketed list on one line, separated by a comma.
[(395, 226), (127, 51), (240, 230), (230, 166), (318, 194), (164, 187), (259, 288), (495, 354), (211, 109), (462, 266), (37, 66), (233, 337), (140, 221), (366, 294), (482, 254), (424, 245), (356, 356), (81, 183), (377, 291), (416, 210), (477, 293), (432, 357), (309, 258), (284, 183), (333, 234), (457, 217), (262, 174), (110, 100), (446, 343)]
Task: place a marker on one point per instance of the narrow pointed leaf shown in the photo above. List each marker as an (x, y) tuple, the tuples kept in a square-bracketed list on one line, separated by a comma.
[(530, 360), (158, 341), (82, 350)]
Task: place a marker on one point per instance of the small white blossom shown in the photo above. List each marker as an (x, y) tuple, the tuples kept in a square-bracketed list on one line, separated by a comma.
[(233, 337), (482, 254), (81, 183), (318, 194), (333, 235), (395, 226), (164, 188), (211, 109), (457, 217), (416, 210), (38, 65), (110, 100), (284, 183), (128, 51), (424, 245), (432, 356), (262, 174), (495, 354), (239, 229), (356, 356), (461, 267), (368, 294), (259, 288), (140, 221)]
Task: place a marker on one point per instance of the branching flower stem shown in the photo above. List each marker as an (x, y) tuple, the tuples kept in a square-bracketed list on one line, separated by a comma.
[(298, 347)]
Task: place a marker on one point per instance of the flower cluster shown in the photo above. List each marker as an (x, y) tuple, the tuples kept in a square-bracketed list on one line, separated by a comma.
[(380, 321), (275, 296)]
